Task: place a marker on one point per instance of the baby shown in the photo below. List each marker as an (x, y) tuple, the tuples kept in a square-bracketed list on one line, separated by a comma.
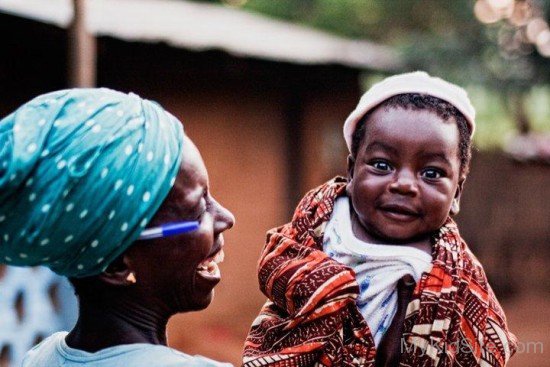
[(372, 271)]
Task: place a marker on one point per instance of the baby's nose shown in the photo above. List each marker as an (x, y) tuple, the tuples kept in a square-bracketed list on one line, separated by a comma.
[(405, 184)]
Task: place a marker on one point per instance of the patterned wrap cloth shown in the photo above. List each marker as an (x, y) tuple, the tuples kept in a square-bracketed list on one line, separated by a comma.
[(311, 318), (82, 172)]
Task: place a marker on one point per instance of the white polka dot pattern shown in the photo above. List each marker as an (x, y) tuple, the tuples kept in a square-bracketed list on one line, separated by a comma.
[(90, 187)]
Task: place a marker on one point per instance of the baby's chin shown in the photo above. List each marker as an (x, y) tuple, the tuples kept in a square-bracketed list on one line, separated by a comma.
[(398, 238), (388, 233)]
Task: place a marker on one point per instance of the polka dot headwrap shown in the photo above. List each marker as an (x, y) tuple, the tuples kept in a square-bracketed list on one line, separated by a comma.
[(82, 172)]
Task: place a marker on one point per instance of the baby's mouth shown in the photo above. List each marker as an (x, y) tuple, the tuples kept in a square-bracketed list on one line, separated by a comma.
[(209, 267), (400, 212)]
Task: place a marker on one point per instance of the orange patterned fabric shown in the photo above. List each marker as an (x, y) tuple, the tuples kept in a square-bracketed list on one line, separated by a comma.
[(311, 319)]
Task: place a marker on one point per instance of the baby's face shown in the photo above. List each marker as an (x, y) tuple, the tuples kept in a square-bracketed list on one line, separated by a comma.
[(405, 176)]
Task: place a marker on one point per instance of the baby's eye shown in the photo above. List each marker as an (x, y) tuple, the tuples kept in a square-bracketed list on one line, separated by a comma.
[(381, 165), (432, 173)]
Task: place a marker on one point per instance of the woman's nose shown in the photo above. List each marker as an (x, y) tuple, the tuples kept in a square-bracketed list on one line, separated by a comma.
[(404, 184), (224, 218)]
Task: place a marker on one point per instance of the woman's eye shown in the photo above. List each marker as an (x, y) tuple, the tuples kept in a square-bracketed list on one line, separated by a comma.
[(381, 166), (205, 207), (202, 210), (432, 174)]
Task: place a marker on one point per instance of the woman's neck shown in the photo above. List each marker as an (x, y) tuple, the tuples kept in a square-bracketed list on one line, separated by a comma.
[(118, 321)]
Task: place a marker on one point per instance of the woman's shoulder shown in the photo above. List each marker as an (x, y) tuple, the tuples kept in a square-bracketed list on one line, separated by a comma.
[(45, 353), (54, 352), (162, 356)]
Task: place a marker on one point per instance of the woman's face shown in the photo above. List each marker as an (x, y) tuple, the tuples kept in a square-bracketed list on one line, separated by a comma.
[(180, 272)]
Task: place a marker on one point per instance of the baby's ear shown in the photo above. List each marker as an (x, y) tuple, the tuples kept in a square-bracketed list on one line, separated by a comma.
[(455, 205), (351, 166)]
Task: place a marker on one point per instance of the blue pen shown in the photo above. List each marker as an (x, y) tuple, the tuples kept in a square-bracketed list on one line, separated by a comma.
[(171, 229)]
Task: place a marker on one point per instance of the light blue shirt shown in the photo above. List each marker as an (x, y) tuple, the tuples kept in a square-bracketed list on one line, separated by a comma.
[(54, 352)]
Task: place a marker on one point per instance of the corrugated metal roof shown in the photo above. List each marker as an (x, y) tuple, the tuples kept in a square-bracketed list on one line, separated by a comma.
[(199, 26)]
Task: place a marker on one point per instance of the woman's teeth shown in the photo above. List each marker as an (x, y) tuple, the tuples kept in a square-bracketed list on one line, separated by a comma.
[(220, 255), (210, 265)]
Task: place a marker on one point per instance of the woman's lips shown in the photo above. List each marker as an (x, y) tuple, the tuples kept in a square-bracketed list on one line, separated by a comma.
[(209, 268)]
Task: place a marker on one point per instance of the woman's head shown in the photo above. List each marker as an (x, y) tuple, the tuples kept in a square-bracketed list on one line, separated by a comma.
[(84, 171), (176, 273)]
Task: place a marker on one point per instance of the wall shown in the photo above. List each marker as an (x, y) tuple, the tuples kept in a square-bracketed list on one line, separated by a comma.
[(505, 218)]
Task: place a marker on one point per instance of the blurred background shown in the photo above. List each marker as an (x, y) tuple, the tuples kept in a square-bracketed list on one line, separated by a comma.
[(263, 88)]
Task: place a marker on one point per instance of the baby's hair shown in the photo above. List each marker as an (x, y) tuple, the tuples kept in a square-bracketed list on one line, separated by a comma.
[(416, 101)]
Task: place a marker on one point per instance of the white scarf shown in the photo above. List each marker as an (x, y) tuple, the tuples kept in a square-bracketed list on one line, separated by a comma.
[(378, 268)]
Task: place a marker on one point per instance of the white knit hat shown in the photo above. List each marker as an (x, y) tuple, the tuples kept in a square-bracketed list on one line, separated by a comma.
[(416, 82)]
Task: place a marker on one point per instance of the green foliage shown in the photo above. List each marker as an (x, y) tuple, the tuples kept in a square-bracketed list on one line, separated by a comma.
[(493, 122), (538, 108), (444, 38)]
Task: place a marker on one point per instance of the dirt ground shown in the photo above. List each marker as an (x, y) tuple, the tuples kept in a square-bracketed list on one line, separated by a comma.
[(528, 317)]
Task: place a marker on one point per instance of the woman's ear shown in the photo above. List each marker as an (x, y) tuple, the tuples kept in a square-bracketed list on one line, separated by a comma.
[(455, 204), (119, 273)]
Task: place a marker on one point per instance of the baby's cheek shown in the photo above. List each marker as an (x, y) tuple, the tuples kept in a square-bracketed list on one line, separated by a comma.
[(439, 217)]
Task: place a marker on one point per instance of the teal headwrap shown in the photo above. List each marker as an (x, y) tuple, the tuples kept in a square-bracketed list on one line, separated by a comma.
[(82, 171)]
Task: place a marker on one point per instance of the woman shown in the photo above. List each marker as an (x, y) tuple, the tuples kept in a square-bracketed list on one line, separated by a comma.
[(89, 180)]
